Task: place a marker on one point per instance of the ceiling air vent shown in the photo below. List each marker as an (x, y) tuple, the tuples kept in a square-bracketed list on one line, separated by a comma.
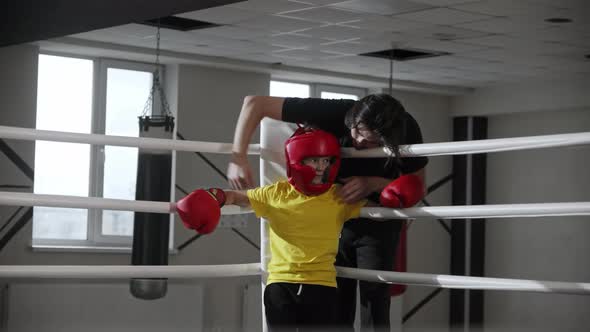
[(404, 54), (179, 23)]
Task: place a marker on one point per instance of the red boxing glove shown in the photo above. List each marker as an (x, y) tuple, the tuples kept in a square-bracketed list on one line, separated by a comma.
[(403, 192), (201, 209)]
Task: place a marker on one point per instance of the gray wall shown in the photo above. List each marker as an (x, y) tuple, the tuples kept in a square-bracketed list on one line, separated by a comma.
[(536, 248), (428, 242), (18, 93), (536, 96)]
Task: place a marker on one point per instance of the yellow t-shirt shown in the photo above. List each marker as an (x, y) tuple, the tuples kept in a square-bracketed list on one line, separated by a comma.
[(304, 232)]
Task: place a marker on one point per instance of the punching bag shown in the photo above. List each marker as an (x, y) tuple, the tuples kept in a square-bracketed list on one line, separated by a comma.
[(151, 230), (401, 256)]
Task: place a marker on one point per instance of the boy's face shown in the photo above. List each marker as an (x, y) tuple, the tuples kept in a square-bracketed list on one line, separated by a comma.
[(320, 164)]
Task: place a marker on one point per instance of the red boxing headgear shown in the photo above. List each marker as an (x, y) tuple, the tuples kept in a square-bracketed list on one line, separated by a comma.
[(305, 143)]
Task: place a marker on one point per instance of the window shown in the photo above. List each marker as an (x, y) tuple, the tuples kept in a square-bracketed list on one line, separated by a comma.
[(127, 91), (64, 103), (288, 89), (338, 92), (335, 95), (87, 96)]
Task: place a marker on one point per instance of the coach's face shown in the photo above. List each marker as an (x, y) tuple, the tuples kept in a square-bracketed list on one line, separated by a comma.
[(363, 138)]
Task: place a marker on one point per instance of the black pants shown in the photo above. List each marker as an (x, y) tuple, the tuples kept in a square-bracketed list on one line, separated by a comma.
[(366, 244), (300, 307)]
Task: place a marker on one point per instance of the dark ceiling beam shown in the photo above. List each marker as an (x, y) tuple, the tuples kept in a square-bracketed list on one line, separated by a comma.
[(32, 20)]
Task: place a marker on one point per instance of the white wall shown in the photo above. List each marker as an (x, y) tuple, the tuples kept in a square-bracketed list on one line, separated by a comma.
[(535, 248), (538, 248), (535, 96)]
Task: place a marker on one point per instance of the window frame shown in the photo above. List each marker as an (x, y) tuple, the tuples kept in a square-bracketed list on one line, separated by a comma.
[(96, 241), (318, 88), (309, 86), (97, 160)]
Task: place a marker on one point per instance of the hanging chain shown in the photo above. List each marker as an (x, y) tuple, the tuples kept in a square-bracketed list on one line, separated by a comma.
[(391, 75), (156, 85), (158, 46), (391, 70)]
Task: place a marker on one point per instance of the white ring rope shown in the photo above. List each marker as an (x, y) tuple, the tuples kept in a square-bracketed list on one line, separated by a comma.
[(129, 271), (478, 146), (463, 282), (427, 149), (481, 211), (445, 212), (252, 269), (78, 202), (138, 142), (430, 149)]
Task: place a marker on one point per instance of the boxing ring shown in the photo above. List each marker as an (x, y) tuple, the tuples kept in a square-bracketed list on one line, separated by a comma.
[(271, 160), (271, 157)]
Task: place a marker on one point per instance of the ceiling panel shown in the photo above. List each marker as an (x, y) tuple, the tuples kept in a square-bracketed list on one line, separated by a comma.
[(443, 3), (349, 47), (221, 15), (501, 25), (271, 6), (294, 40), (278, 24), (233, 32), (335, 32), (504, 8), (448, 33), (443, 46), (443, 16), (324, 15), (385, 23), (490, 41), (382, 7)]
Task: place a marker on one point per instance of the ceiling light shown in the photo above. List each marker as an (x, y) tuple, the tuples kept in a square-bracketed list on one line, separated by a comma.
[(444, 36)]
